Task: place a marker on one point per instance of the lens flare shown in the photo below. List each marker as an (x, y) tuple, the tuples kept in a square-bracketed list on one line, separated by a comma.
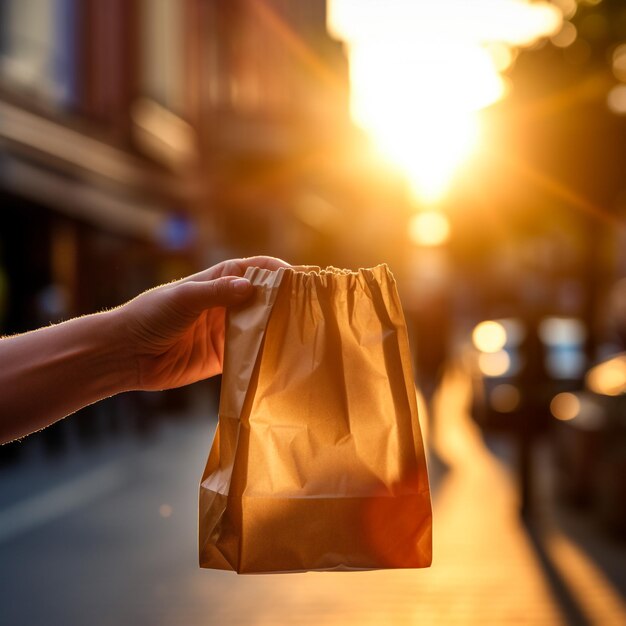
[(421, 71)]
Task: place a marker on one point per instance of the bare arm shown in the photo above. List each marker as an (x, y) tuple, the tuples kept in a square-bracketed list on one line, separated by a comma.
[(166, 337), (52, 372)]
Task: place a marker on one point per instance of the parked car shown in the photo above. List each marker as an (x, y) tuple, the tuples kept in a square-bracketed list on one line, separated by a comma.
[(589, 437), (519, 366)]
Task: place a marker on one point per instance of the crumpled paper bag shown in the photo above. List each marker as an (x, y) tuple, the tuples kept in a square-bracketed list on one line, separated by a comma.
[(317, 461)]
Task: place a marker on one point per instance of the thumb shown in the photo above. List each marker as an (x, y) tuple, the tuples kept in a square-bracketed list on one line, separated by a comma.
[(199, 295)]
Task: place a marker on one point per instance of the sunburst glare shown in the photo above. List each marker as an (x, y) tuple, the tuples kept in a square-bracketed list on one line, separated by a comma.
[(421, 71)]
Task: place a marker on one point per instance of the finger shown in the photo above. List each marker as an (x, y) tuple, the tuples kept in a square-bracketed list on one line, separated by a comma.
[(265, 262), (196, 296), (237, 267)]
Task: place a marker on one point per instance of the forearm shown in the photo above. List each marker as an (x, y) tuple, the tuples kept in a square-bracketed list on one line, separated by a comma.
[(52, 372)]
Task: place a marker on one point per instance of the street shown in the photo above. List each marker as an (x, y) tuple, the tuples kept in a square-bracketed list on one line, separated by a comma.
[(107, 535)]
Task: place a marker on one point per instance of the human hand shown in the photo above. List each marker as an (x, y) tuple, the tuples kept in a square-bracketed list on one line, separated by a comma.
[(175, 333)]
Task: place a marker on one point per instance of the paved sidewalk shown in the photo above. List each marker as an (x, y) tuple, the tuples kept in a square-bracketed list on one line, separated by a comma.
[(119, 546), (485, 570)]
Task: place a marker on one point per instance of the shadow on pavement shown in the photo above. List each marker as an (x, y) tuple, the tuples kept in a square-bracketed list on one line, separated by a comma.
[(573, 613)]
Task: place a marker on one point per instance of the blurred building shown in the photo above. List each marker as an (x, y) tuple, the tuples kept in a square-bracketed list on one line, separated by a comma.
[(272, 112), (140, 139)]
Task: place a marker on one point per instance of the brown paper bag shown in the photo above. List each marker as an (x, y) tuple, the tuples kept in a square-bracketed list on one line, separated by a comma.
[(317, 462)]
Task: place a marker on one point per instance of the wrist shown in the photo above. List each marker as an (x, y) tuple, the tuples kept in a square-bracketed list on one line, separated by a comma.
[(112, 349)]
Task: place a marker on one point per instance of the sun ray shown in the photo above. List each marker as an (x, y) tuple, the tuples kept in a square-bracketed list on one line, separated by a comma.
[(295, 44), (590, 89), (244, 192), (562, 191)]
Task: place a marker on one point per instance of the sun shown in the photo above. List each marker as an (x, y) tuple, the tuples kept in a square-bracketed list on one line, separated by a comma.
[(426, 122), (421, 72)]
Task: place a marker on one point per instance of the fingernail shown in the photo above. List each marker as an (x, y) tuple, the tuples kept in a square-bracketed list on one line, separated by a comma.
[(240, 285)]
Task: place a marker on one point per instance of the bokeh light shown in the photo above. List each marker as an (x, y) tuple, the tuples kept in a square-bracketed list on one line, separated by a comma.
[(429, 228), (616, 99), (565, 406), (505, 398), (566, 36), (608, 378), (489, 336), (619, 62), (568, 7), (558, 331), (494, 363)]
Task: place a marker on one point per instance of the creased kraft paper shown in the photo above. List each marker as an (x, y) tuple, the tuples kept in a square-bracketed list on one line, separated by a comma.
[(318, 461)]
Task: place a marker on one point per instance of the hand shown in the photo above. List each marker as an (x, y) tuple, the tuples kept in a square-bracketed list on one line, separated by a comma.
[(175, 332)]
